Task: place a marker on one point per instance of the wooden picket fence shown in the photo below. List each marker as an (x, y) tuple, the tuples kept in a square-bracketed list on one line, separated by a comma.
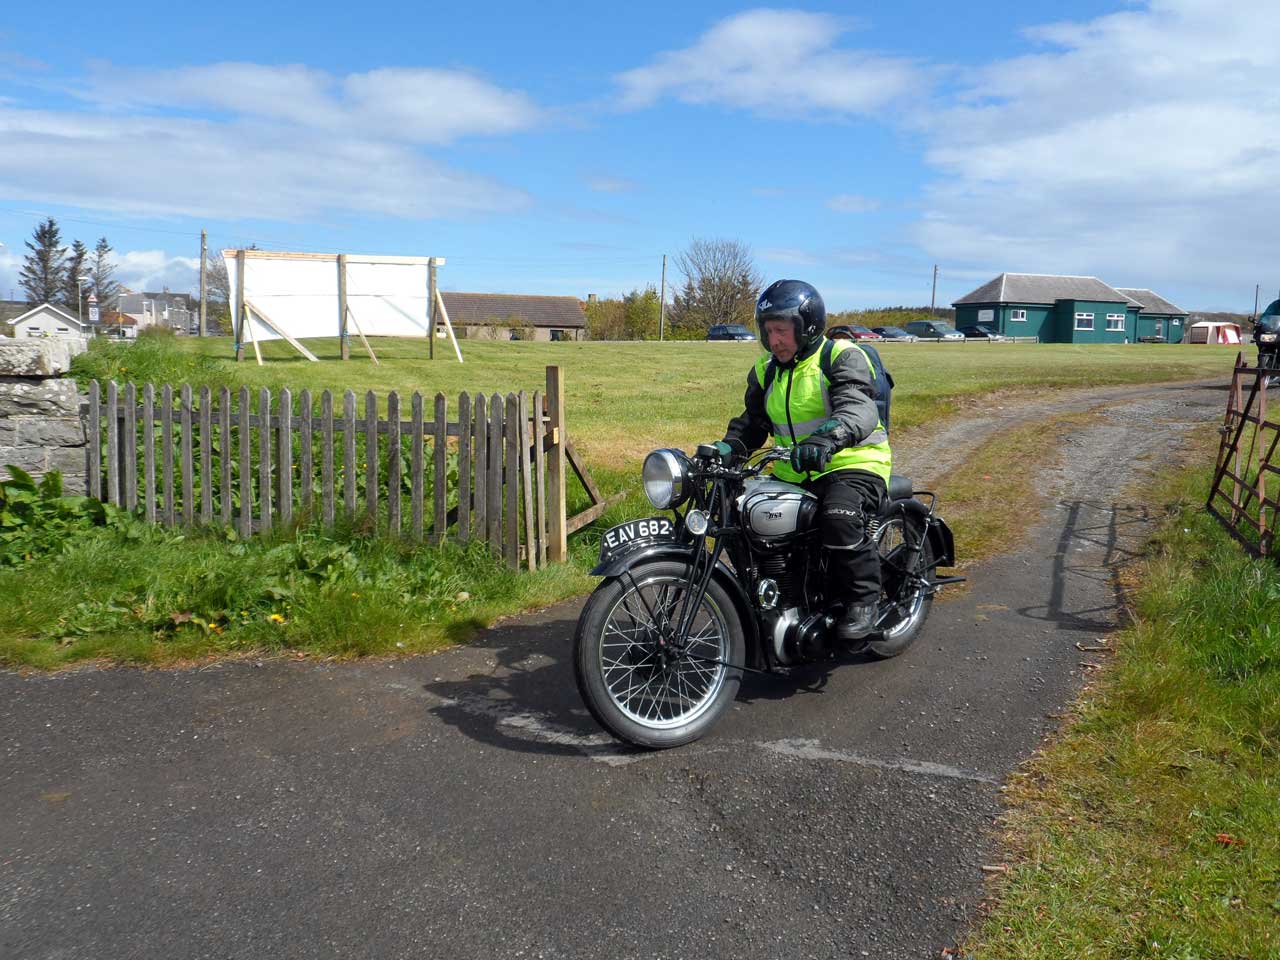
[(1246, 457), (496, 473)]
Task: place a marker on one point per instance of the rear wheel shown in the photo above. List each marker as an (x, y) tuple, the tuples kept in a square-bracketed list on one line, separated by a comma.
[(641, 685), (906, 591)]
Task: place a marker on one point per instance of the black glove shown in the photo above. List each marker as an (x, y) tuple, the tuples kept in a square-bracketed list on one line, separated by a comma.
[(812, 454)]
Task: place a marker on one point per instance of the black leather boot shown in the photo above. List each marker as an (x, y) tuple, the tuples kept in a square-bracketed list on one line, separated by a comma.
[(858, 621)]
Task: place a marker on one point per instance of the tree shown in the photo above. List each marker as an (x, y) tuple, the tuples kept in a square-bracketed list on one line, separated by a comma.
[(44, 269), (218, 294), (634, 317), (71, 290), (105, 287), (720, 286)]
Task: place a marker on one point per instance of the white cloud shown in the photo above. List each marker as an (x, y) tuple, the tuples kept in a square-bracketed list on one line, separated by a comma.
[(232, 141), (852, 203), (772, 61), (157, 270), (1143, 147)]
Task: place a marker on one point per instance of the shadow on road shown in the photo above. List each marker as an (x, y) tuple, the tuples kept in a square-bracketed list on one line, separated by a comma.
[(1098, 540)]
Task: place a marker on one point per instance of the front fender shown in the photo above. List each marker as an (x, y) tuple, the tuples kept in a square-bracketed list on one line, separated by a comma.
[(683, 552)]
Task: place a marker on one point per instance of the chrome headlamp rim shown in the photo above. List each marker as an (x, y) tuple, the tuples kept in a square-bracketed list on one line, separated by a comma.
[(665, 476)]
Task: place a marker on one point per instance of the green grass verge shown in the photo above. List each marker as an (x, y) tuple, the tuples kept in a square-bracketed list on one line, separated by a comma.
[(1151, 827), (145, 594)]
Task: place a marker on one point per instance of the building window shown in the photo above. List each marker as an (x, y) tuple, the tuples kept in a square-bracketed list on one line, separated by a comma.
[(33, 329), (1115, 321), (1084, 321), (1017, 315)]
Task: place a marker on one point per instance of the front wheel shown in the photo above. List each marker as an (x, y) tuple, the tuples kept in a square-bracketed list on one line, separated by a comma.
[(642, 685), (906, 588)]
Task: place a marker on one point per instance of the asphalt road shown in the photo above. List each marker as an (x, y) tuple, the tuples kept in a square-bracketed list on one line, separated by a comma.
[(465, 805)]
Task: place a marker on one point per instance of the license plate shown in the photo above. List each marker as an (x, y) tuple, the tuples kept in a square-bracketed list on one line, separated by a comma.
[(618, 538)]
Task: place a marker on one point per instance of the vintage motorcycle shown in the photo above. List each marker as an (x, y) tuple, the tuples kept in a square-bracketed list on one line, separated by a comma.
[(734, 584)]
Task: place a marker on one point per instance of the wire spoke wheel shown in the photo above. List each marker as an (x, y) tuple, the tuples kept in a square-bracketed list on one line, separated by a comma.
[(643, 684), (905, 593)]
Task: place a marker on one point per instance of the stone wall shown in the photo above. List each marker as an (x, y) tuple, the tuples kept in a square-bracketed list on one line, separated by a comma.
[(40, 425)]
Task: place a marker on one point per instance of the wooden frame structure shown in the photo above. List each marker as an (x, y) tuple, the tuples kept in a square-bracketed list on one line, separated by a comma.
[(1246, 457), (436, 311), (224, 458)]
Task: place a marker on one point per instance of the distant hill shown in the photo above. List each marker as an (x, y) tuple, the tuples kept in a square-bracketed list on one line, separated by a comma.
[(1245, 320)]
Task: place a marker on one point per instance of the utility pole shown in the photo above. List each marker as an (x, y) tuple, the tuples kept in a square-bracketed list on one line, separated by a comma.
[(662, 301), (204, 289), (933, 297), (1256, 288)]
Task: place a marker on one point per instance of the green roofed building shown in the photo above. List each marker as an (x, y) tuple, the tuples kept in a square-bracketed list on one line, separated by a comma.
[(1058, 309)]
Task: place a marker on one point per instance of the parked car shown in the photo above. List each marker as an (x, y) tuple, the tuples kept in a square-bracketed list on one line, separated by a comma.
[(981, 331), (852, 331), (934, 330), (729, 331), (895, 333)]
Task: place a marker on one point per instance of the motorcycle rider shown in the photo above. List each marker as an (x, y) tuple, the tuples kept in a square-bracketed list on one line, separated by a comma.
[(816, 396)]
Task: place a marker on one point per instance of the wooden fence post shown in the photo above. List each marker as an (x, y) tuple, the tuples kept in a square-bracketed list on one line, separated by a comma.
[(326, 457), (464, 467), (285, 458), (305, 468), (264, 459), (558, 546), (149, 451), (166, 453), (526, 482), (440, 478), (129, 447), (540, 464), (113, 444), (494, 487), (226, 499), (511, 477), (371, 459), (393, 464), (480, 513), (188, 473), (349, 452), (416, 483), (246, 474), (206, 455)]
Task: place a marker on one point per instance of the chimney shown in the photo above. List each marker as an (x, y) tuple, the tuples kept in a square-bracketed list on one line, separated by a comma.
[(591, 298)]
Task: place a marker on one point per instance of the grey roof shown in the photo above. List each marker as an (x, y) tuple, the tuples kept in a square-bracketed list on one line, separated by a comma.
[(485, 308), (9, 309), (1041, 288), (1151, 301)]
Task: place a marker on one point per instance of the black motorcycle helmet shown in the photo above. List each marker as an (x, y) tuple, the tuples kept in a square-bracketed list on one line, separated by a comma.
[(796, 301)]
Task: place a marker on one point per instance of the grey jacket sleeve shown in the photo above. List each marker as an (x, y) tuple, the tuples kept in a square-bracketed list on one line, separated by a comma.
[(852, 394), (752, 427)]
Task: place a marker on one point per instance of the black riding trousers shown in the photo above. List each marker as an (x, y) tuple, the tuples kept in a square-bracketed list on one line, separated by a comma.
[(847, 499)]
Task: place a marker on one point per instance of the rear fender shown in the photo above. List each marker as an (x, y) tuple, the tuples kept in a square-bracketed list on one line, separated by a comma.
[(940, 537), (683, 552)]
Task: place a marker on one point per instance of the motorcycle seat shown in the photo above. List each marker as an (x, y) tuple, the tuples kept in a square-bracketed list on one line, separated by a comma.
[(899, 487)]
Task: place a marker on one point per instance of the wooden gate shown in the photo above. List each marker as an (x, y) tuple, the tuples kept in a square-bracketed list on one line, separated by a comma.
[(1246, 458)]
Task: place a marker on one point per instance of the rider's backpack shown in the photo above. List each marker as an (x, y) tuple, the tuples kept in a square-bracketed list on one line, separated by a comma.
[(881, 379)]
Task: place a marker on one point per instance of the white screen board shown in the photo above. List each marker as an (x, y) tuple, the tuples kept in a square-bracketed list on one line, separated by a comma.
[(298, 293)]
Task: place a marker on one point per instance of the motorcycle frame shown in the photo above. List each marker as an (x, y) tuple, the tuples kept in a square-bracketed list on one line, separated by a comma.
[(711, 483)]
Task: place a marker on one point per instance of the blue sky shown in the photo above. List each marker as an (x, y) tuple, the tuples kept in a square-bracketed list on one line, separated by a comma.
[(563, 148)]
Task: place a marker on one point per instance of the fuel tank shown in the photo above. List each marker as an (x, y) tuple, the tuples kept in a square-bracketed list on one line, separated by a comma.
[(776, 511)]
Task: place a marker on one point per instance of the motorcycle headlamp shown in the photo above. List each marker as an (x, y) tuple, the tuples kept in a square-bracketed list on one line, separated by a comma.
[(666, 478)]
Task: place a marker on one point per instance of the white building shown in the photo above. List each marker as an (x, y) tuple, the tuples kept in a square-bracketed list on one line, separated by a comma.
[(47, 320)]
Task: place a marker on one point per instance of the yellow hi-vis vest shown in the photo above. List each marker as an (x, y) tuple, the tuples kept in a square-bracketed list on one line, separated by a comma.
[(798, 402)]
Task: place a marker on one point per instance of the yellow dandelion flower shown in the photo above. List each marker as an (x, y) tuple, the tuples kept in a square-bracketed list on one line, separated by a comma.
[(276, 618)]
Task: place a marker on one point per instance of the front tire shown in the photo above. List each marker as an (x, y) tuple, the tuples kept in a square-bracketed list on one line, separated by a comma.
[(649, 693), (906, 594)]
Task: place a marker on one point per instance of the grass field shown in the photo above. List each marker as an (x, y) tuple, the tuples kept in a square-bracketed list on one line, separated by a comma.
[(625, 399)]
